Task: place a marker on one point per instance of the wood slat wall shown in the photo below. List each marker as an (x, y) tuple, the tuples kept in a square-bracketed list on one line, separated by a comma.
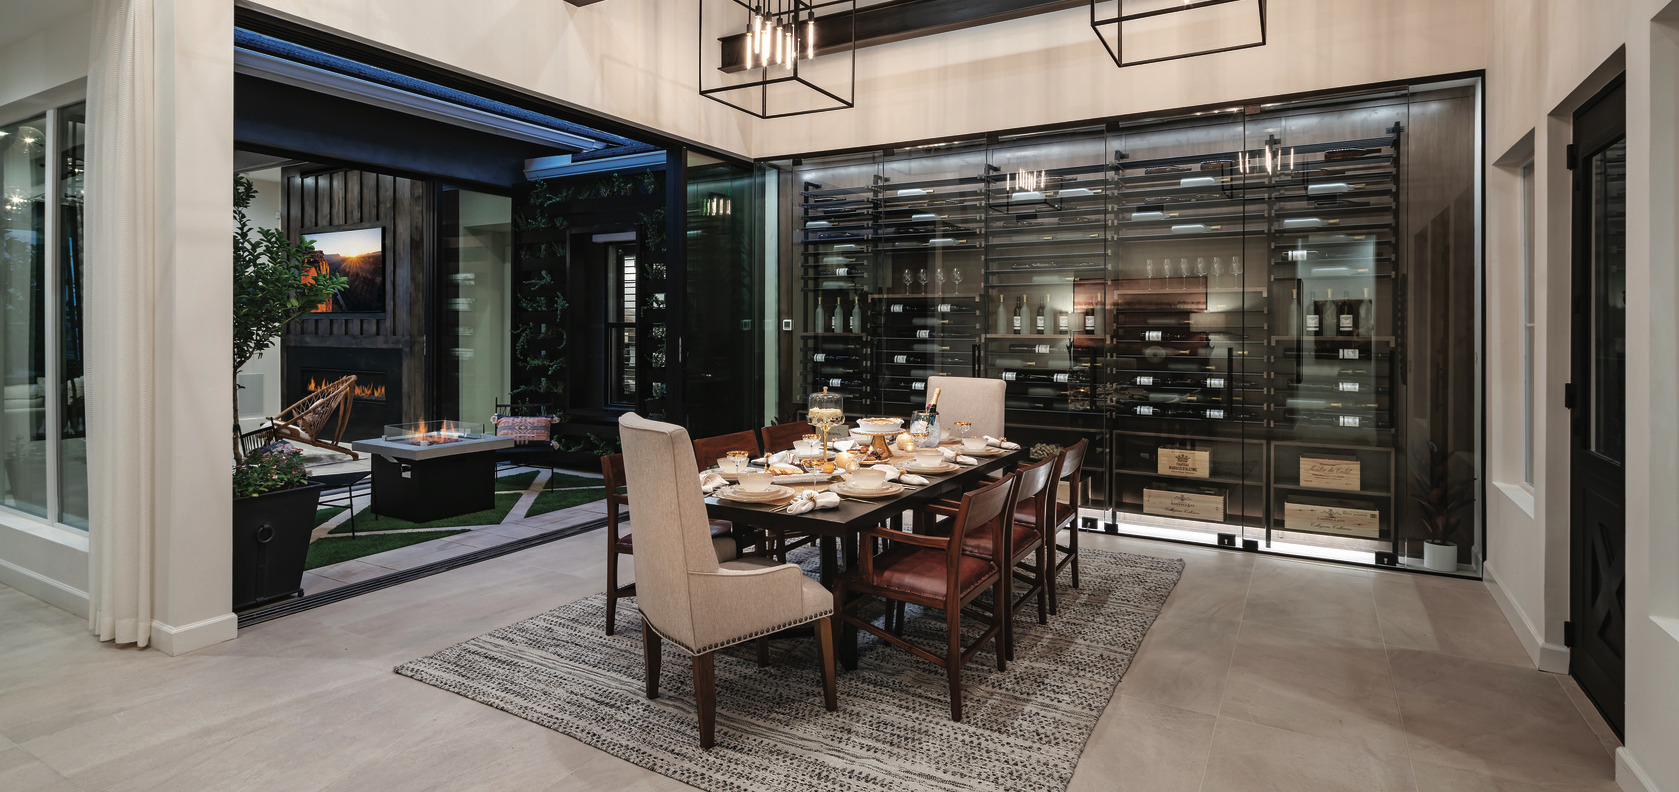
[(337, 200)]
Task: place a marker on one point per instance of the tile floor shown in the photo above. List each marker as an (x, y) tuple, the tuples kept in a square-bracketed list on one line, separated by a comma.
[(1261, 674)]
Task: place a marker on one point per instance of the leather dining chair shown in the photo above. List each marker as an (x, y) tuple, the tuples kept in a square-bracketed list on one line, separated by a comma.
[(977, 400), (780, 437), (620, 544), (933, 572), (1065, 516), (686, 596), (707, 450)]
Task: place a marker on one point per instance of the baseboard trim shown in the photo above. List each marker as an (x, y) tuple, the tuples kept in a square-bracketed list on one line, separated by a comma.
[(1629, 775), (1545, 656), (53, 592), (175, 641)]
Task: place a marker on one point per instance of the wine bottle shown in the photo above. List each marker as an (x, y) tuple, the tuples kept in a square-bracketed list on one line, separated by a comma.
[(1367, 316), (1020, 315), (1314, 325), (926, 309), (1090, 320), (1038, 349), (857, 316), (1291, 315), (1002, 315), (820, 323), (835, 357), (1063, 322), (1346, 319), (933, 404), (1328, 313), (845, 383), (838, 319), (1040, 317)]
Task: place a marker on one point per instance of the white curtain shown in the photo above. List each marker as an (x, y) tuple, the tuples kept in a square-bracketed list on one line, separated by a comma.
[(121, 255)]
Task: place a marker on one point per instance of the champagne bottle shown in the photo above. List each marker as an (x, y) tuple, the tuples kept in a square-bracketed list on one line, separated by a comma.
[(1002, 315), (1328, 313), (838, 319), (933, 403), (1347, 319), (1367, 316), (1040, 325), (1020, 314)]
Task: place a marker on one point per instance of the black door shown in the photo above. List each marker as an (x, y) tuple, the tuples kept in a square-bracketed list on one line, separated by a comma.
[(1598, 481)]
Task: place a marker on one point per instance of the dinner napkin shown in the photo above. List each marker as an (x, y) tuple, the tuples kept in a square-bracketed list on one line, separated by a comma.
[(912, 480), (964, 459), (710, 481), (810, 500), (776, 458), (949, 454), (843, 445), (1006, 445), (892, 473)]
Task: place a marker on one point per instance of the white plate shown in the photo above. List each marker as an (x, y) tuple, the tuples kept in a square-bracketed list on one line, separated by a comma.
[(987, 452), (851, 489), (942, 467), (803, 478), (775, 492)]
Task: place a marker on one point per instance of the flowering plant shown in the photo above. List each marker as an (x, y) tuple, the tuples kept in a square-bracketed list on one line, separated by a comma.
[(276, 466)]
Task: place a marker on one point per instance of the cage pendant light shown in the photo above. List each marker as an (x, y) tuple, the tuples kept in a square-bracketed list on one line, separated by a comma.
[(775, 58), (1136, 32)]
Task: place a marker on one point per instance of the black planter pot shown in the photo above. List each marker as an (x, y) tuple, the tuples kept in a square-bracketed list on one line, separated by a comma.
[(271, 544)]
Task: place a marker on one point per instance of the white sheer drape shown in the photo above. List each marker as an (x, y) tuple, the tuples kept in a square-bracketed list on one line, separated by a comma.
[(121, 255)]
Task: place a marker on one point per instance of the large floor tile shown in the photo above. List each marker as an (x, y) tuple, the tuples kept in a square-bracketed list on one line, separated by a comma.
[(1433, 777), (1451, 617), (1140, 746), (1321, 598), (1335, 688), (1250, 758), (610, 772), (353, 571), (23, 772), (1505, 721), (1183, 662)]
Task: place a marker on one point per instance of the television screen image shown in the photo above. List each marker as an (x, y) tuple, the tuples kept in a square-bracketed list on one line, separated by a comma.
[(358, 255)]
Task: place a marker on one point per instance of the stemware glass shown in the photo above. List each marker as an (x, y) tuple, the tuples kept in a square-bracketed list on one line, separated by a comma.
[(1148, 268), (1236, 269), (924, 427), (1200, 267), (824, 412), (908, 279), (921, 278), (964, 429), (938, 278), (956, 275), (1183, 268), (1218, 270)]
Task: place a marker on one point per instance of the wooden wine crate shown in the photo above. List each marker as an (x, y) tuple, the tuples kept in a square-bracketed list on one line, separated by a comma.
[(1186, 462), (1331, 472), (1327, 519), (1208, 505)]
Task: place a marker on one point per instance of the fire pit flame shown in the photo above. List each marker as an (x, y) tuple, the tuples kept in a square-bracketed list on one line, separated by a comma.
[(426, 433)]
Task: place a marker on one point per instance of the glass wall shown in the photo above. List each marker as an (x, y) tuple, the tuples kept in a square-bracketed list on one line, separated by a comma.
[(1265, 320), (475, 266), (723, 259), (43, 421)]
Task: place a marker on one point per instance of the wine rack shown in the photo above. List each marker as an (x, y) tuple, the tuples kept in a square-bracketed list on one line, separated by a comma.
[(1221, 314)]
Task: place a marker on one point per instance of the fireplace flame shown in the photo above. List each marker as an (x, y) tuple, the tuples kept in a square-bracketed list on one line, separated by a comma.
[(359, 390)]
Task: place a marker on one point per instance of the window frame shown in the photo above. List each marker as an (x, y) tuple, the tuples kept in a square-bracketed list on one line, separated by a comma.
[(623, 265)]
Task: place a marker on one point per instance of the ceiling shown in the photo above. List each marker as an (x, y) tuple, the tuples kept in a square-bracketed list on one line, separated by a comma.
[(24, 18)]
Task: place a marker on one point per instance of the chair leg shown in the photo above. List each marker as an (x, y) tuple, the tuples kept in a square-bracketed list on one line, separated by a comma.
[(763, 646), (1044, 584), (611, 590), (825, 647), (1002, 607), (705, 697), (653, 646), (898, 617), (1073, 544), (953, 658), (1052, 572)]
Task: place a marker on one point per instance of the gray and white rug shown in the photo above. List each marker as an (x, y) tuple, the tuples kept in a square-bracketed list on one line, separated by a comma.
[(1022, 729)]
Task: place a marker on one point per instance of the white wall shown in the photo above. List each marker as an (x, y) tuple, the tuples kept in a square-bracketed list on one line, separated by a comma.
[(1546, 60), (633, 60), (48, 59), (1051, 68)]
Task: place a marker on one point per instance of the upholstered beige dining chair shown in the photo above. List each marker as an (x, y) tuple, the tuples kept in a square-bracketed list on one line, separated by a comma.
[(685, 595), (973, 399)]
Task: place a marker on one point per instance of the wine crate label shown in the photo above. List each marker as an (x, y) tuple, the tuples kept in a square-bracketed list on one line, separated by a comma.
[(1187, 462), (1327, 472), (1188, 505), (1349, 354), (1338, 520)]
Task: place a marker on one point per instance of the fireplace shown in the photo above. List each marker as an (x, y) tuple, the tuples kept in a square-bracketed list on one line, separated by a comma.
[(378, 397)]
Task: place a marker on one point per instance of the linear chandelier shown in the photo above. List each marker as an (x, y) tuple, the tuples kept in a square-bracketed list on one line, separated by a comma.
[(775, 58)]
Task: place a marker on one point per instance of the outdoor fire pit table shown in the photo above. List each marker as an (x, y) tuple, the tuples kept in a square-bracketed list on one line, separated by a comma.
[(431, 470)]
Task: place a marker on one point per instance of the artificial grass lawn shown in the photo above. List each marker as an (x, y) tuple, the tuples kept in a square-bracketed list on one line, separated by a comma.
[(331, 550), (367, 522), (517, 481), (322, 515), (564, 499)]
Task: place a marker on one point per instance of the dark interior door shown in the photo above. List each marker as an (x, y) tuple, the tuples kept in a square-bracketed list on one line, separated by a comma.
[(1598, 481)]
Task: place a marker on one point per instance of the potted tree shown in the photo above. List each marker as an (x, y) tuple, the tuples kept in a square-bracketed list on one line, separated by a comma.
[(1440, 502), (273, 501)]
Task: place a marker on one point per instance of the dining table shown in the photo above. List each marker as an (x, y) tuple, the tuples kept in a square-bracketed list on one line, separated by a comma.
[(837, 529)]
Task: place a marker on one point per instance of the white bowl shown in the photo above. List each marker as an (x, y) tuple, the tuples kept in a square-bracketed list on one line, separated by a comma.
[(973, 444), (755, 481), (929, 457), (868, 478), (730, 466)]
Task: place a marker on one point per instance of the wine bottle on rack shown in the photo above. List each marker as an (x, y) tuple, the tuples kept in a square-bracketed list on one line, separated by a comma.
[(1328, 313), (1002, 315), (1090, 320), (838, 319), (836, 357), (1346, 317), (1020, 314), (1063, 322), (1367, 316), (1036, 349), (857, 316), (1314, 323), (1291, 315), (1040, 325), (845, 383), (820, 323), (924, 309)]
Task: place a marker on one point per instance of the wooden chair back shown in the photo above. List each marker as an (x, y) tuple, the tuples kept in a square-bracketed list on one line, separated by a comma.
[(1035, 487), (310, 420), (707, 450), (1072, 469), (781, 437), (989, 508)]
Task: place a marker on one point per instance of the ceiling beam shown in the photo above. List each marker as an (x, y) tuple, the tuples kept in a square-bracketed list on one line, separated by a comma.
[(899, 20)]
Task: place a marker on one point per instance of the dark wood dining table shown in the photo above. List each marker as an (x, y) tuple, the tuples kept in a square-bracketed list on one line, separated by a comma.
[(837, 529)]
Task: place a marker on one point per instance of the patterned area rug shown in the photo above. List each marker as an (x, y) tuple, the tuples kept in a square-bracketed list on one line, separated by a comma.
[(1023, 729)]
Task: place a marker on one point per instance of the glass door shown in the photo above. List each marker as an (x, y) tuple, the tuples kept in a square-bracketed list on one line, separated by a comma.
[(721, 344), (474, 307)]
